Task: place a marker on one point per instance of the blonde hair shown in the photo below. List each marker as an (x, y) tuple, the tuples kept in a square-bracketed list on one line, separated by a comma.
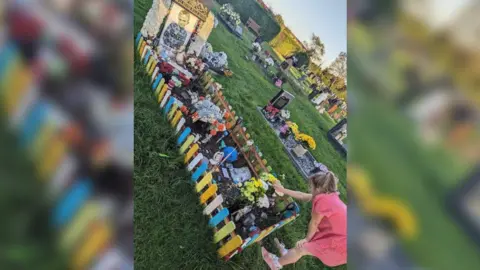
[(324, 182)]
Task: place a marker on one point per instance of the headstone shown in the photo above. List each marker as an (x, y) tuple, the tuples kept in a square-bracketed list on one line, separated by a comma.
[(299, 150)]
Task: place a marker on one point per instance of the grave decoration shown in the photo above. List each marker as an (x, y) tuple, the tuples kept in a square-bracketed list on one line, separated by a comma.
[(228, 13), (300, 136), (216, 61), (178, 44), (296, 144), (230, 176), (231, 19), (276, 104)]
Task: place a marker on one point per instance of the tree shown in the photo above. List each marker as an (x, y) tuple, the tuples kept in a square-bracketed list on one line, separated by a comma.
[(302, 59), (315, 49), (339, 66), (280, 20), (316, 69)]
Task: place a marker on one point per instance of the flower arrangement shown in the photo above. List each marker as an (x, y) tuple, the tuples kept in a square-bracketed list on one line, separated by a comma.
[(263, 202), (268, 178), (294, 128), (256, 47), (252, 189), (285, 114), (271, 110), (232, 16), (302, 137), (309, 140)]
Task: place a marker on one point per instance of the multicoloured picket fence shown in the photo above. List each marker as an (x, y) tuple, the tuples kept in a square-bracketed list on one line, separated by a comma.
[(229, 243)]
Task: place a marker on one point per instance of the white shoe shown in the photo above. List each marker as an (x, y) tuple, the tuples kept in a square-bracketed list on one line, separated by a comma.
[(271, 260), (281, 247)]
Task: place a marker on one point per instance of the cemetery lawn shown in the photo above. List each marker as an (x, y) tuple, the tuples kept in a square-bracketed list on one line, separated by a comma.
[(170, 230)]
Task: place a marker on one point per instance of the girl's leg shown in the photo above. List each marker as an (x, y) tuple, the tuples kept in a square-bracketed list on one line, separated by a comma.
[(280, 247), (293, 256)]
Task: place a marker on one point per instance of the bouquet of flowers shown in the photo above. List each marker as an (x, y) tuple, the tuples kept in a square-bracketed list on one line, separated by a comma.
[(232, 16), (268, 178), (252, 189)]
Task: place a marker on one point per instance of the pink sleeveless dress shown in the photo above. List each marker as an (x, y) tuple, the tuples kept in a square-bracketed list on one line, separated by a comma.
[(329, 244)]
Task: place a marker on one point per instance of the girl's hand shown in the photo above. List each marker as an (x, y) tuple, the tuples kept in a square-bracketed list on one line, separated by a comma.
[(301, 243), (278, 186)]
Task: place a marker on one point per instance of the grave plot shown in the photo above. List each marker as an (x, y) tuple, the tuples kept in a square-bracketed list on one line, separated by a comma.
[(232, 180), (294, 142)]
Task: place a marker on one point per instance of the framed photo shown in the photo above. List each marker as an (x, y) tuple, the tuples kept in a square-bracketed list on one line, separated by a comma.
[(178, 28)]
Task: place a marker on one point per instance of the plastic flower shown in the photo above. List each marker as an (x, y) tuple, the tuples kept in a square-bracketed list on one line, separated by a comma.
[(308, 139), (263, 202), (252, 189), (268, 177), (285, 114)]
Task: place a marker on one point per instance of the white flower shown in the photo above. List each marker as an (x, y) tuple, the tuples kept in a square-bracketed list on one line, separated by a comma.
[(263, 202), (285, 114), (269, 61)]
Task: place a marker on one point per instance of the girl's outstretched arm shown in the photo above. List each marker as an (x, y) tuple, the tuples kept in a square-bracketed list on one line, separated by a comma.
[(301, 196)]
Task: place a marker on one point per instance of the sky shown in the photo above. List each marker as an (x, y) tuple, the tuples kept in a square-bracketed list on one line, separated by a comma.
[(326, 18)]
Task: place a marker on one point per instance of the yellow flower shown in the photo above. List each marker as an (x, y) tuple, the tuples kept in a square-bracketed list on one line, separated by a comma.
[(271, 178), (308, 139)]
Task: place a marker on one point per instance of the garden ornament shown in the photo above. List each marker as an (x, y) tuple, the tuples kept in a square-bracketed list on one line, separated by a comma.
[(230, 153), (240, 213), (197, 138), (249, 220), (217, 157), (225, 134), (207, 139)]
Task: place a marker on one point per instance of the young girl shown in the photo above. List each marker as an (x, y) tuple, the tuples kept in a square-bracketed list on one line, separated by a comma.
[(327, 232)]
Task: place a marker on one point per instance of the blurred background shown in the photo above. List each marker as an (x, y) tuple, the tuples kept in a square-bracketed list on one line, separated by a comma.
[(66, 134), (414, 94)]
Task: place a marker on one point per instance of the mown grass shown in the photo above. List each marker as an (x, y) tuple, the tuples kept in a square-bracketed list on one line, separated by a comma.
[(170, 230), (386, 145)]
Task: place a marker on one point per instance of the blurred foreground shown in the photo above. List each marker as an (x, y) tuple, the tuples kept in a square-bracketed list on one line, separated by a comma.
[(66, 134), (414, 123)]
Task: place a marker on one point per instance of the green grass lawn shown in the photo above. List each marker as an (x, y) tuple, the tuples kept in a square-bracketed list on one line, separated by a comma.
[(170, 230), (384, 143)]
